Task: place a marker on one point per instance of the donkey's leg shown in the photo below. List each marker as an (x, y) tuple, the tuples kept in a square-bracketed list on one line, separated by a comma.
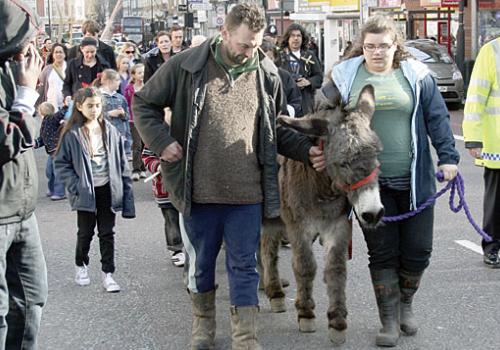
[(336, 242), (269, 247), (304, 269)]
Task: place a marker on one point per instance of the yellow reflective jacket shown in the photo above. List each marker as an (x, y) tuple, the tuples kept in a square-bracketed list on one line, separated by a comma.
[(481, 125)]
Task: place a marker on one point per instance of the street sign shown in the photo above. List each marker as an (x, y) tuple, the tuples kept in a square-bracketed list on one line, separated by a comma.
[(219, 21), (182, 8), (196, 6)]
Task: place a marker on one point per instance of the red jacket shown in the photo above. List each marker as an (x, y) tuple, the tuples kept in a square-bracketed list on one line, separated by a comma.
[(152, 164)]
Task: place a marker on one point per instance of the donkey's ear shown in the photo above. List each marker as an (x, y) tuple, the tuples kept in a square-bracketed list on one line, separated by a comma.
[(311, 126), (366, 101)]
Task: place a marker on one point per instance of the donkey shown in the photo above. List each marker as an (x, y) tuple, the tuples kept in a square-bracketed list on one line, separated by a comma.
[(318, 204)]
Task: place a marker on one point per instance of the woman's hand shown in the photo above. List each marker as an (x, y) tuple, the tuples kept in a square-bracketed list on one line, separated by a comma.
[(449, 171)]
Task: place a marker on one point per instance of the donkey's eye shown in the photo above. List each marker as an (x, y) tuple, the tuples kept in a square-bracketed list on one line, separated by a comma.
[(344, 164)]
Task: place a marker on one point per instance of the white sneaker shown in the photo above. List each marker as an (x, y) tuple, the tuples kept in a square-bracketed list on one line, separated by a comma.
[(82, 276), (178, 259), (142, 175), (135, 176), (109, 283)]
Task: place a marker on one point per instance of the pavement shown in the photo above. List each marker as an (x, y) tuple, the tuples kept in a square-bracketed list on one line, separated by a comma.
[(456, 307)]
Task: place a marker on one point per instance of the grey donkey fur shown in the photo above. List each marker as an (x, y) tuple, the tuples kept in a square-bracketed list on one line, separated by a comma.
[(312, 205)]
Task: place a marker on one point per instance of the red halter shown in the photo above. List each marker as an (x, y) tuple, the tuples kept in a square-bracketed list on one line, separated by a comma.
[(360, 183)]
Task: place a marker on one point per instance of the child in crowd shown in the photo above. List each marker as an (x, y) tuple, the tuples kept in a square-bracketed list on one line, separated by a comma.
[(92, 163), (123, 66), (115, 106), (136, 83), (50, 128), (170, 214)]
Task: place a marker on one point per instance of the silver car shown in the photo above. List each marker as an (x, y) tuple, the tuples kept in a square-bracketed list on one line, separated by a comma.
[(448, 77)]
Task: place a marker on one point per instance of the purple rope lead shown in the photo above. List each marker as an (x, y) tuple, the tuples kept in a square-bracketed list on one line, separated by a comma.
[(457, 186)]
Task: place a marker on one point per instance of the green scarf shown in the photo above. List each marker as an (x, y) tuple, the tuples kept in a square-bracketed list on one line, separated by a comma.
[(233, 71)]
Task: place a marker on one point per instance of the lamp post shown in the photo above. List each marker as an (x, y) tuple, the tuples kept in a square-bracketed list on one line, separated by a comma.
[(50, 20), (460, 58)]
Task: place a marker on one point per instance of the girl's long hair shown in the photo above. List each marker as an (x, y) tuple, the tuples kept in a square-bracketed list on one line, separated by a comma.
[(133, 70), (77, 118), (379, 24)]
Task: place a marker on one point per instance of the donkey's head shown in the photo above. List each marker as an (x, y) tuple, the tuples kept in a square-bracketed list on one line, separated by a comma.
[(350, 147)]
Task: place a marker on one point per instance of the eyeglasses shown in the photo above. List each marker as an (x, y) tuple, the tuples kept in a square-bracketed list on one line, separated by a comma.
[(382, 47), (129, 52)]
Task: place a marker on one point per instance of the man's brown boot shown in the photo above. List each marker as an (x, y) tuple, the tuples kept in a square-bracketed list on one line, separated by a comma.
[(244, 328), (203, 332)]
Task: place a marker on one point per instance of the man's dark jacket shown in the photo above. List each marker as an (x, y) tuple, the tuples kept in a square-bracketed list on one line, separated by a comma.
[(181, 84), (103, 50), (292, 96)]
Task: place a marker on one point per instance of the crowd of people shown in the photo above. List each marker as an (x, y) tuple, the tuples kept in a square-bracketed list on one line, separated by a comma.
[(186, 113)]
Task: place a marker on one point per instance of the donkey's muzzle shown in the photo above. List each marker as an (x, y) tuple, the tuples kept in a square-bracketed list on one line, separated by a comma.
[(373, 218)]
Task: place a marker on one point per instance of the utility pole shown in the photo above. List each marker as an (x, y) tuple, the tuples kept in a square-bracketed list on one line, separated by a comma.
[(461, 38), (50, 21)]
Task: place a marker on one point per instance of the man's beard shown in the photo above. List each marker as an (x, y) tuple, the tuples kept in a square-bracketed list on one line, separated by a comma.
[(235, 58)]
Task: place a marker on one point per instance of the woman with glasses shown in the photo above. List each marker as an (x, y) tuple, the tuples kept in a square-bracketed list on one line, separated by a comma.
[(130, 50), (408, 111)]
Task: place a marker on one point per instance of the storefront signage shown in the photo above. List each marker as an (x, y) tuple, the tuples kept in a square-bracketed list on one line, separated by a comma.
[(389, 3), (344, 5), (430, 3), (450, 3)]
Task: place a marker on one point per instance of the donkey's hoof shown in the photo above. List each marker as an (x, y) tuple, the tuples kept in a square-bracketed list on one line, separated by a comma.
[(307, 325), (336, 337), (277, 305)]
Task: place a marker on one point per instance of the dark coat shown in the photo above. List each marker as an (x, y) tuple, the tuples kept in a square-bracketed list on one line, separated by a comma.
[(75, 73), (18, 175), (293, 97), (181, 85), (103, 50), (152, 61), (310, 69), (73, 166)]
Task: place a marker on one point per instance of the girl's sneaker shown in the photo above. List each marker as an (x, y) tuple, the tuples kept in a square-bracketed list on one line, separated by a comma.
[(178, 259), (109, 283), (82, 275)]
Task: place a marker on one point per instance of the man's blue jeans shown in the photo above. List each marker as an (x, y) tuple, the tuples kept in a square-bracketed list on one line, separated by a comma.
[(23, 284), (239, 226)]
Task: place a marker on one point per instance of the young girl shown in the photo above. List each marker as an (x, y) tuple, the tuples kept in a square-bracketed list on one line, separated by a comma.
[(91, 162), (136, 83), (115, 106), (123, 66)]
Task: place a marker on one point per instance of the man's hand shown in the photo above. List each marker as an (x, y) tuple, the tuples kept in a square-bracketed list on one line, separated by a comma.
[(67, 101), (317, 158), (30, 67), (475, 152), (172, 153), (449, 171), (303, 82)]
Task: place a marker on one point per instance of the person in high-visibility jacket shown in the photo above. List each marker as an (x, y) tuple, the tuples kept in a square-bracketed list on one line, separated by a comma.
[(481, 127)]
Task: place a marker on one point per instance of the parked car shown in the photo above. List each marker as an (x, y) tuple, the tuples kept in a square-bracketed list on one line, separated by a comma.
[(448, 77)]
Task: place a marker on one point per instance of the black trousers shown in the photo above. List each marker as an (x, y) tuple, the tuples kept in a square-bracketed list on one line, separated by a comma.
[(491, 208), (137, 146), (406, 244), (105, 220), (172, 230)]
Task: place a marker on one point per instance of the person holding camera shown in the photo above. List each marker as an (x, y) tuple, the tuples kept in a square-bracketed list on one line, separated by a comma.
[(301, 63)]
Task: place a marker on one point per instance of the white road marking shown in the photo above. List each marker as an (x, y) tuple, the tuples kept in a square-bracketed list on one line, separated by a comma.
[(458, 137), (470, 245)]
